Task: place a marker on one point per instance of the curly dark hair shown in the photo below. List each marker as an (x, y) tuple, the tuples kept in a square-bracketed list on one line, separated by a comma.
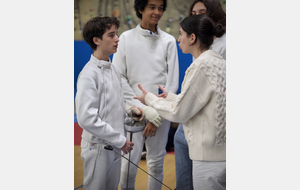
[(214, 11), (139, 5), (96, 27)]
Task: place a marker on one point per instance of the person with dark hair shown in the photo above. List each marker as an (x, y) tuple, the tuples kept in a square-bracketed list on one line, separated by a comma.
[(100, 107), (147, 55), (201, 105), (214, 10), (211, 8)]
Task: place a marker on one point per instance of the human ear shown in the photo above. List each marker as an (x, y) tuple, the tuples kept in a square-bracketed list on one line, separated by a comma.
[(193, 39), (96, 41)]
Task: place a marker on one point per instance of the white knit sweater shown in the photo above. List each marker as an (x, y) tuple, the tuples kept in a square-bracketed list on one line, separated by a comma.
[(201, 107)]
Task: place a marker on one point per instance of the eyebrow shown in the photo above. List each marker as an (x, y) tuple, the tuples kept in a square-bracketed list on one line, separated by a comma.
[(199, 10), (155, 5), (111, 33)]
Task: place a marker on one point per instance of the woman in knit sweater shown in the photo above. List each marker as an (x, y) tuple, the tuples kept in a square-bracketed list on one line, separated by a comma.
[(184, 173), (201, 105)]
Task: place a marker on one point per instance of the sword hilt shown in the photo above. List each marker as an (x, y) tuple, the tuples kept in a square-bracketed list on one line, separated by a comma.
[(108, 147)]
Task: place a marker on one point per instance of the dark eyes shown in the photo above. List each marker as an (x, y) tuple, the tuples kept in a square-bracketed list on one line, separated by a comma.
[(159, 8), (113, 35)]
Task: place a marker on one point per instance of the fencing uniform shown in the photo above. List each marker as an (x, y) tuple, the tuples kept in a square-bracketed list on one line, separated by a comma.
[(219, 45), (100, 112), (149, 59)]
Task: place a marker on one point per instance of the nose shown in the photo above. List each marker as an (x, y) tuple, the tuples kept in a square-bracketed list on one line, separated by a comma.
[(117, 38)]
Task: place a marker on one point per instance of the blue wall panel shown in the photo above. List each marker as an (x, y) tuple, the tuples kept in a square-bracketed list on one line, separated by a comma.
[(82, 54), (185, 61)]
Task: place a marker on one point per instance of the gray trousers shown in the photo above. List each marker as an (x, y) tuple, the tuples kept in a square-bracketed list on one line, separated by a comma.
[(209, 175), (101, 167), (156, 150)]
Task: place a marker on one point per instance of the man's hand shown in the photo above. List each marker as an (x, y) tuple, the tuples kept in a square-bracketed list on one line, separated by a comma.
[(137, 113), (127, 147), (150, 130)]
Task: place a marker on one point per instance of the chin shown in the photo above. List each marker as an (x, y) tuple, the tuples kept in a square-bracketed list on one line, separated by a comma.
[(155, 22)]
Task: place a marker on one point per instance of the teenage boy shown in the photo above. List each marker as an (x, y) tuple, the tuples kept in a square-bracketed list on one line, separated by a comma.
[(147, 55), (100, 107)]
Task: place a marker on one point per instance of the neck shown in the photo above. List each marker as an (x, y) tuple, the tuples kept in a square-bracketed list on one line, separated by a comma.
[(148, 27), (101, 56), (198, 52)]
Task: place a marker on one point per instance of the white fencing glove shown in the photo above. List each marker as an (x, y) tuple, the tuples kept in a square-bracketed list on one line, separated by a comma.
[(137, 114), (152, 115)]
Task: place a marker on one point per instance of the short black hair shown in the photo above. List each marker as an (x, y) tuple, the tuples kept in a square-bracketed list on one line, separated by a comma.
[(96, 27), (139, 5), (203, 28)]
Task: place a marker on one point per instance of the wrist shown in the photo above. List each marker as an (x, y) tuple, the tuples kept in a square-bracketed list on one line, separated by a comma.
[(150, 98)]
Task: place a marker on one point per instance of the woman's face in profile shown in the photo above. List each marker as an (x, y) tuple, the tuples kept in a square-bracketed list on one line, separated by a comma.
[(183, 41)]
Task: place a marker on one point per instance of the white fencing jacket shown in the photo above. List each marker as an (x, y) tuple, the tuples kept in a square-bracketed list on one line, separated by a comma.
[(219, 45), (100, 106), (148, 59)]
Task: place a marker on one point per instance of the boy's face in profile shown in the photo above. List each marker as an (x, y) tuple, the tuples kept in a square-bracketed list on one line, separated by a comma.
[(109, 43)]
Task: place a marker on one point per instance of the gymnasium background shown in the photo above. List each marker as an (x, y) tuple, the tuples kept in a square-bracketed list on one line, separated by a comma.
[(124, 10)]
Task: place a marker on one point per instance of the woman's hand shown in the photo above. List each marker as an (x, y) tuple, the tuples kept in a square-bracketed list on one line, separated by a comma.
[(164, 94), (141, 98)]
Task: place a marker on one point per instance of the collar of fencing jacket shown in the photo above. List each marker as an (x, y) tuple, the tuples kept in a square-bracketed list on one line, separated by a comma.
[(101, 63), (146, 32)]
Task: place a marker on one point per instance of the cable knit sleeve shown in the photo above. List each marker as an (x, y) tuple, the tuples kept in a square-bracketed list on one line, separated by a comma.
[(196, 92)]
